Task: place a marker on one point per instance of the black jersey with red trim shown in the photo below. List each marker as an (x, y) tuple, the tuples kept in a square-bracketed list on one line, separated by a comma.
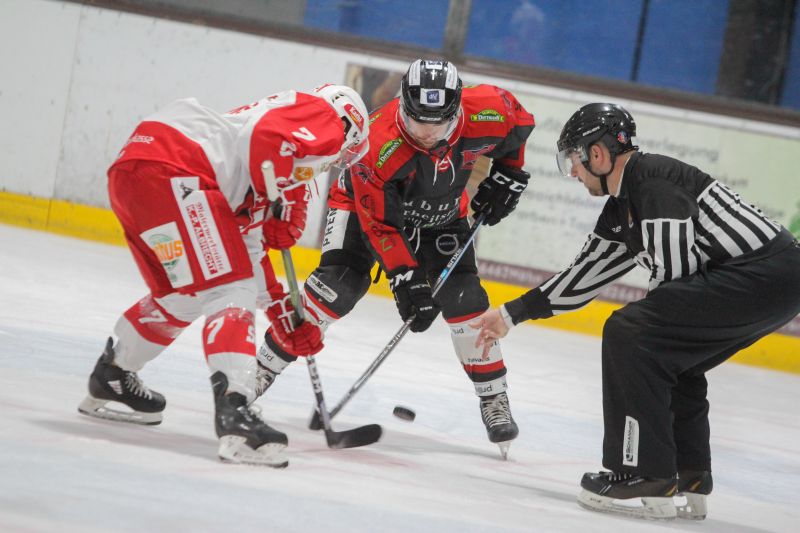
[(398, 184)]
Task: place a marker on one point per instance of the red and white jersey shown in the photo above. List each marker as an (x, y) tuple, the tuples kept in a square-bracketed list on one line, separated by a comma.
[(300, 133)]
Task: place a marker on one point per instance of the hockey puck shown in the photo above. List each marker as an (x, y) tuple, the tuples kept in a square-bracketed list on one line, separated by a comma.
[(404, 412)]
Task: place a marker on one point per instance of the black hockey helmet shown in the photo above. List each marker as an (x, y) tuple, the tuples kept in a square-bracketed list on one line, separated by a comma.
[(431, 91), (609, 123)]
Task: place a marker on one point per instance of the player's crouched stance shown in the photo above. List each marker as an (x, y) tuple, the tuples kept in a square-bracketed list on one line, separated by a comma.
[(190, 194), (722, 276)]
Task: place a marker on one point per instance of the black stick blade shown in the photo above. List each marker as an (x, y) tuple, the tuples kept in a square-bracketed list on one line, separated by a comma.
[(354, 438), (315, 423)]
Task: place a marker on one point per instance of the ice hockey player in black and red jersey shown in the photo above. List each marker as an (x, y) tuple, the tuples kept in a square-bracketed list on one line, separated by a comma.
[(405, 205), (722, 275)]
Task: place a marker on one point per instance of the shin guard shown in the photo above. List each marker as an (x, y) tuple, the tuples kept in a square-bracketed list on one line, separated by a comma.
[(489, 374), (143, 332), (229, 344)]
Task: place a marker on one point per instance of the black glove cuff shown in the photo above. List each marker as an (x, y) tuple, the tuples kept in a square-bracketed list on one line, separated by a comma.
[(403, 275), (516, 174)]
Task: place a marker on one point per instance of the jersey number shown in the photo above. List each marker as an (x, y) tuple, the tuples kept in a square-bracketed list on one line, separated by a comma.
[(288, 149)]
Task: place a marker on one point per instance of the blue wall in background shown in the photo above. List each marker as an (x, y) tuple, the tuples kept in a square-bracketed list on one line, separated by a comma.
[(416, 22), (682, 44), (791, 84), (594, 37)]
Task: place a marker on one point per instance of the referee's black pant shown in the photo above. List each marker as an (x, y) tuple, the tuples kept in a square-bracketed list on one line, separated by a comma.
[(656, 352)]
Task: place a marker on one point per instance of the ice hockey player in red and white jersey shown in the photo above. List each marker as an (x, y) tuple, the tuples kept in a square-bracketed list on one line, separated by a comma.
[(189, 191), (405, 205)]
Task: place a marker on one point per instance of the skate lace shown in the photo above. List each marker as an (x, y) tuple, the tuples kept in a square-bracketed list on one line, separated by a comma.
[(619, 476), (135, 385), (496, 411), (254, 412)]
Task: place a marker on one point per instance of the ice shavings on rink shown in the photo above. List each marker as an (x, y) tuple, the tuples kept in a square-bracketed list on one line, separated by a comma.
[(66, 472)]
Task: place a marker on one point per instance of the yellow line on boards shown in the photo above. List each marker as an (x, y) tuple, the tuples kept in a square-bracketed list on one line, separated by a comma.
[(776, 351)]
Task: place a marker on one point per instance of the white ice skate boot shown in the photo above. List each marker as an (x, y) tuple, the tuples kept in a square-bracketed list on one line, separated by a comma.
[(111, 384)]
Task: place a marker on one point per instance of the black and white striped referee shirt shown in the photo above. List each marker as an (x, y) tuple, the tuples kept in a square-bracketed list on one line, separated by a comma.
[(669, 217)]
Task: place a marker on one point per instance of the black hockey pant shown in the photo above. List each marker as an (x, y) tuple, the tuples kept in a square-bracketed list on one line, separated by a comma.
[(656, 352)]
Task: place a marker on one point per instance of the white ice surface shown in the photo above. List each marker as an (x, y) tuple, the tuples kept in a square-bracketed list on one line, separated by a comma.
[(60, 471)]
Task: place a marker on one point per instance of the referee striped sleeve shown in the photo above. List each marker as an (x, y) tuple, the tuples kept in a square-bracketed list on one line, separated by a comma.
[(671, 245), (599, 262), (727, 227)]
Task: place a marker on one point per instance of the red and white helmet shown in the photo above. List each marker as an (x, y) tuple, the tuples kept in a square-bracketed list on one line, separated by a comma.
[(351, 109)]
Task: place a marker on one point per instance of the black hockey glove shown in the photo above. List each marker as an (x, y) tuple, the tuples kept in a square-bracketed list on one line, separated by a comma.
[(499, 193), (413, 296)]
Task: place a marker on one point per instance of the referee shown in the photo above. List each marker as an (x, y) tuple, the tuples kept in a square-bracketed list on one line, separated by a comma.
[(722, 275)]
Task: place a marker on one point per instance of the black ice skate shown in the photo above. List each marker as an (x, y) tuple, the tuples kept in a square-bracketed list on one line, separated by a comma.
[(243, 436), (694, 485), (500, 425), (110, 383), (600, 490)]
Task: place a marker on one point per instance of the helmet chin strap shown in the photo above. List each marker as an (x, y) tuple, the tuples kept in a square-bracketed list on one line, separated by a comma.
[(603, 177)]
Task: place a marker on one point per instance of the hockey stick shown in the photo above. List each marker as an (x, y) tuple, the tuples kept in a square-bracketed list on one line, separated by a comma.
[(315, 422), (351, 438)]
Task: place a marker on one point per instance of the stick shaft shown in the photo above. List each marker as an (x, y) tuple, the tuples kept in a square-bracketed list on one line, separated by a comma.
[(397, 337)]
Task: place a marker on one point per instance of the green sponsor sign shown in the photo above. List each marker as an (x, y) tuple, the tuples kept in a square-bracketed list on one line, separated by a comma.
[(387, 150), (487, 115)]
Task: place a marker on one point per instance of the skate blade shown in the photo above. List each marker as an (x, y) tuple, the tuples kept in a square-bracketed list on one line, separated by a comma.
[(234, 449), (504, 449), (97, 408), (695, 508), (652, 508)]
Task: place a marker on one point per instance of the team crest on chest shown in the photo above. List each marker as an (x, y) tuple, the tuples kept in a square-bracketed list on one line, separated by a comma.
[(470, 157)]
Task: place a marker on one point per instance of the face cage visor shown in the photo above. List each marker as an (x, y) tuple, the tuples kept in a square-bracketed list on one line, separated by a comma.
[(569, 158), (429, 133), (352, 154)]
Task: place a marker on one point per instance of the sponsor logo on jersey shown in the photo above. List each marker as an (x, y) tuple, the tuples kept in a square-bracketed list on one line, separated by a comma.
[(374, 117), (427, 213), (303, 173), (146, 139), (204, 235), (169, 248), (387, 150), (210, 248), (243, 108), (487, 115), (185, 191)]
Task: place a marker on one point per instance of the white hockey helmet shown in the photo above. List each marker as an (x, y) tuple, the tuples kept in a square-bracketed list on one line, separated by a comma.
[(351, 109)]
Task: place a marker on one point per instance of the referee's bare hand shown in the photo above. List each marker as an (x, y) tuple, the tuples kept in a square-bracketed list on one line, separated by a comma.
[(492, 327)]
